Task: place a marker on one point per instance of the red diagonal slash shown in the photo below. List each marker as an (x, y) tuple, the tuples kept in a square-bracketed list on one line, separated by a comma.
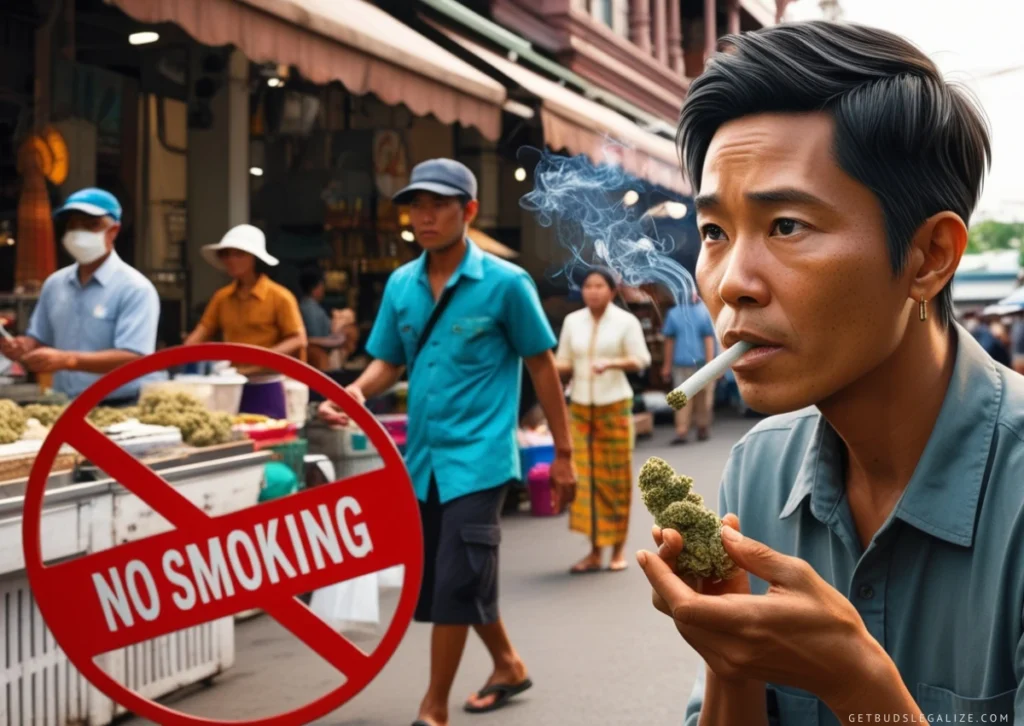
[(84, 626), (179, 511)]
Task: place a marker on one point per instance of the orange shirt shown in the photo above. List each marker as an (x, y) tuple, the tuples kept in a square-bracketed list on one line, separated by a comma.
[(264, 316)]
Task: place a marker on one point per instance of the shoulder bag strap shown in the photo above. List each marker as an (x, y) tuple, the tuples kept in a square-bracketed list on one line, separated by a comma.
[(439, 308)]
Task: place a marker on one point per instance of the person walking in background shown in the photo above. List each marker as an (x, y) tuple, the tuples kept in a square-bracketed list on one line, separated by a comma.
[(598, 346), (252, 310), (463, 322), (1017, 336), (689, 344), (323, 334)]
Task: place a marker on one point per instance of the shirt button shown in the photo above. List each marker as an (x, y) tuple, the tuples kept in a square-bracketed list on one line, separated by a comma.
[(866, 592)]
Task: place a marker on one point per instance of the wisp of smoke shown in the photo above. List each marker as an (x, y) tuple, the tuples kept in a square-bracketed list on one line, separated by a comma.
[(584, 204)]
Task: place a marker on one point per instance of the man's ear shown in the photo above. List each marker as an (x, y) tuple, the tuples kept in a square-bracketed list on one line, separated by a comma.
[(936, 251), (470, 211), (112, 233)]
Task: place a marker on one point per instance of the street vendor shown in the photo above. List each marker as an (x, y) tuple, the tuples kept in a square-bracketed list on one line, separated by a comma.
[(252, 310), (95, 315), (877, 515)]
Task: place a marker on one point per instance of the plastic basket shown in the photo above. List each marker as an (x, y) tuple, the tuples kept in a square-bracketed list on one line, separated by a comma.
[(290, 453)]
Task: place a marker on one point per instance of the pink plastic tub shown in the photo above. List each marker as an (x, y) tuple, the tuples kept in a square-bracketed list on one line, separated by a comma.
[(539, 483)]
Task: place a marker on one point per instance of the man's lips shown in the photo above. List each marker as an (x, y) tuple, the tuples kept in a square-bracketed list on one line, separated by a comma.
[(732, 337)]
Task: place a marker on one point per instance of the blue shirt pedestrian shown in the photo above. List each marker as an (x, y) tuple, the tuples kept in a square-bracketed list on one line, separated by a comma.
[(118, 309), (689, 325), (941, 585), (464, 385)]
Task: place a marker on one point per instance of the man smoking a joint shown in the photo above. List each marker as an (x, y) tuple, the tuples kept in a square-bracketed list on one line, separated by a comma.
[(882, 508)]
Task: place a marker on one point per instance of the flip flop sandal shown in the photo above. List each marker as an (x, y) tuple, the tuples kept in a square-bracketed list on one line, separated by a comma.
[(618, 568), (588, 569), (505, 693), (420, 723)]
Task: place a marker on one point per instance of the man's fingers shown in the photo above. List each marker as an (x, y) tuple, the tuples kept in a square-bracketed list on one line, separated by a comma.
[(762, 561), (666, 584)]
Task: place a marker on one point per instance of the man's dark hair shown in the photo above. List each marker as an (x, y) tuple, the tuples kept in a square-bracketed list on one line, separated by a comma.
[(914, 140), (309, 279)]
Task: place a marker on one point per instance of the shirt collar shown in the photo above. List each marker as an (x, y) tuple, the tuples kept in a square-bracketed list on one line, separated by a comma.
[(104, 274), (258, 291), (472, 265), (943, 494)]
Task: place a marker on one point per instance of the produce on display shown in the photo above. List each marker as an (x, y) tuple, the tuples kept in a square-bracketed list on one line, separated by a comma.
[(671, 499), (199, 427), (12, 422), (45, 414)]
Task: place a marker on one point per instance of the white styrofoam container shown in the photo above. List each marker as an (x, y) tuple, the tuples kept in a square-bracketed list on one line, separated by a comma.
[(218, 393), (296, 396)]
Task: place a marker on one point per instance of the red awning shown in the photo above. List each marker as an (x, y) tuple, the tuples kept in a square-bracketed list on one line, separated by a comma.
[(350, 41)]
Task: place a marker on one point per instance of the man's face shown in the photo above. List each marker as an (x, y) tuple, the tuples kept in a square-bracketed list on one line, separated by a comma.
[(439, 222), (794, 254), (106, 225)]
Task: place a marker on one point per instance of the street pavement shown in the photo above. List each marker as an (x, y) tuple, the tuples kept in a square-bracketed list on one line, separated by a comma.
[(597, 652)]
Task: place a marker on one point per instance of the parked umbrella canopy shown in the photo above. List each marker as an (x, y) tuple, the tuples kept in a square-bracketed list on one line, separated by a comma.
[(1009, 305)]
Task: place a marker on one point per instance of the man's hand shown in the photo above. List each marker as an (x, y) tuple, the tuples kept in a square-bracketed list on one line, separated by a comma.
[(15, 349), (563, 481), (47, 360), (666, 373), (802, 633), (330, 413)]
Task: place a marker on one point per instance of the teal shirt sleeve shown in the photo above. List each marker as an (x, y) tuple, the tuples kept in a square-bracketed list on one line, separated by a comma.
[(40, 327), (525, 323), (385, 342)]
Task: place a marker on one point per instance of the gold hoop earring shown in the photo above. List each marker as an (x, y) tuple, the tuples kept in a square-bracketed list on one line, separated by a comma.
[(922, 309)]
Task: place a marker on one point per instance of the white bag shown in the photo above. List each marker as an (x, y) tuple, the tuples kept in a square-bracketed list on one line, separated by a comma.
[(349, 605)]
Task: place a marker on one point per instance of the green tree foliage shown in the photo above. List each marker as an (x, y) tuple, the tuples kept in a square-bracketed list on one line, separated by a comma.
[(992, 235)]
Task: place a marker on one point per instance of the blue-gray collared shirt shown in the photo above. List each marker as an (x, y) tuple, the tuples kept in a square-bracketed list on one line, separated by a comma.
[(118, 309), (941, 585)]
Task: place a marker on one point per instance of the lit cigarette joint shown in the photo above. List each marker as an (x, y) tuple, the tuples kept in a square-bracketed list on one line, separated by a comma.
[(709, 373)]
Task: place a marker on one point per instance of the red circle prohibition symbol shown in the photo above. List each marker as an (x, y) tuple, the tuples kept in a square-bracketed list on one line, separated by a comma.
[(84, 602)]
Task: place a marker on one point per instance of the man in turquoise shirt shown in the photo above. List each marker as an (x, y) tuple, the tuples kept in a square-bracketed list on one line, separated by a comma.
[(464, 381), (883, 511)]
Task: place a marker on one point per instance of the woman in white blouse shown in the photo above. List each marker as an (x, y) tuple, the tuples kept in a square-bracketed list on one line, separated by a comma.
[(598, 346)]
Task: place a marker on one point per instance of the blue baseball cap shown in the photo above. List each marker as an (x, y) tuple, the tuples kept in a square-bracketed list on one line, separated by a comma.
[(446, 177), (94, 202)]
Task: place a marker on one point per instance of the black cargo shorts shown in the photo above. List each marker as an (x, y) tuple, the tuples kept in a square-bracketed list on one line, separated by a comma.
[(460, 548)]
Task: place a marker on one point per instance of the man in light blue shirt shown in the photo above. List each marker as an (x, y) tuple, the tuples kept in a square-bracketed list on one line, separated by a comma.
[(95, 315), (689, 344), (463, 322), (877, 518)]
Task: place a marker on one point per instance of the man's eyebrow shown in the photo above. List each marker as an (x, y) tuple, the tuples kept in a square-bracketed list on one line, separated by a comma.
[(706, 201), (787, 195)]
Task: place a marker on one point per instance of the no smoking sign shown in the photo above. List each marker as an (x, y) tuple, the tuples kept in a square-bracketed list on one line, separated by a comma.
[(213, 567)]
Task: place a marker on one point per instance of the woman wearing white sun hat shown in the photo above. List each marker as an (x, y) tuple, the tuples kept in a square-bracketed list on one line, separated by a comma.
[(252, 310)]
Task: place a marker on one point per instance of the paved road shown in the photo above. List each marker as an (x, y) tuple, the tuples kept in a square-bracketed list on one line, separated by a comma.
[(597, 652)]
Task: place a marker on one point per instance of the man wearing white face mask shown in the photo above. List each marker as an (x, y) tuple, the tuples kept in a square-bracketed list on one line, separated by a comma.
[(95, 315)]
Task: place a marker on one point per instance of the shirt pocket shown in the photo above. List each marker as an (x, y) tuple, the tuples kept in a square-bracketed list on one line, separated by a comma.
[(475, 340), (98, 325), (943, 705), (791, 707)]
